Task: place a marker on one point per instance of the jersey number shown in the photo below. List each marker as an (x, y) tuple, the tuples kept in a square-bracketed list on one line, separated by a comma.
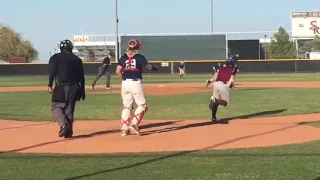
[(131, 65)]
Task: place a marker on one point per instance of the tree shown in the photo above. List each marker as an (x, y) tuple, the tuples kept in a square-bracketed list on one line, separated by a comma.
[(311, 46), (12, 44), (281, 47)]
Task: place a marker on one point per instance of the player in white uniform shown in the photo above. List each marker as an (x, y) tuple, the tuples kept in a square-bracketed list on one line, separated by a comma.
[(182, 69), (130, 68)]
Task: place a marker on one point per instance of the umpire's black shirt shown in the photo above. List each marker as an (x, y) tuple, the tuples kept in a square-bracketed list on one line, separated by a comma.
[(105, 63), (67, 68)]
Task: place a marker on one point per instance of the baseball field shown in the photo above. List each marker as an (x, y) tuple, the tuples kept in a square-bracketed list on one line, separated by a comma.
[(271, 130)]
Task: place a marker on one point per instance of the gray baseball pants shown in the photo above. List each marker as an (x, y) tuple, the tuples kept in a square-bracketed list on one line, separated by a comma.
[(101, 72), (63, 112)]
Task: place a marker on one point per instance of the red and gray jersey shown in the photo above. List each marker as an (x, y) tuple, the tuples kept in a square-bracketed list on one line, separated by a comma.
[(225, 73)]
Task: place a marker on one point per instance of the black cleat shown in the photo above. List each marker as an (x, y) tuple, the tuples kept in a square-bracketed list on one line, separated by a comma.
[(214, 121), (70, 132), (65, 131)]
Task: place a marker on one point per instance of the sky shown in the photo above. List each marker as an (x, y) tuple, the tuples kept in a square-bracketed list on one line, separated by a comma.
[(45, 23)]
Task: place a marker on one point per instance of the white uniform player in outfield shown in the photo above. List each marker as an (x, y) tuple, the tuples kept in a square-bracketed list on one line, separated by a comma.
[(182, 69), (130, 68)]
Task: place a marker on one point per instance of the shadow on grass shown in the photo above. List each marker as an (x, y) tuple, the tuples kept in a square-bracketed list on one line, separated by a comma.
[(313, 124), (222, 121), (175, 155), (99, 133)]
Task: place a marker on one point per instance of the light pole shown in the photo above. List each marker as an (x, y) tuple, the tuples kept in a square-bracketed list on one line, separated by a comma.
[(117, 31), (211, 16), (265, 47)]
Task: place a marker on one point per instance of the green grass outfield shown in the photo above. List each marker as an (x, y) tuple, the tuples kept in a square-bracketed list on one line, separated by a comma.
[(247, 102), (296, 162), (151, 78)]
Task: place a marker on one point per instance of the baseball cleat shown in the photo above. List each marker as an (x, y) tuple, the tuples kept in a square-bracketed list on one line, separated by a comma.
[(214, 121), (65, 131), (125, 132), (70, 132), (134, 129), (92, 87)]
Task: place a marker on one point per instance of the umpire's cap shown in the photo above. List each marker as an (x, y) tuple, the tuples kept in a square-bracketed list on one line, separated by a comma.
[(134, 44), (66, 45)]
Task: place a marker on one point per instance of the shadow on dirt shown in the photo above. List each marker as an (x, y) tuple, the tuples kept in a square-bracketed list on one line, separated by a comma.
[(146, 126), (248, 116), (99, 133), (222, 121)]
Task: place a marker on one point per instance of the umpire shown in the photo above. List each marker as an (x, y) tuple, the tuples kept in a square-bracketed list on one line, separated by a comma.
[(66, 69), (103, 69)]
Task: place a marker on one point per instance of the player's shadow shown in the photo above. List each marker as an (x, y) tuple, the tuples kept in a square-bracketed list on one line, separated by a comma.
[(248, 116), (98, 133), (146, 126), (222, 121)]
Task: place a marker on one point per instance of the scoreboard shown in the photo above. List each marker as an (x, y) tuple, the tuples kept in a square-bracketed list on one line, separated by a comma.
[(305, 24)]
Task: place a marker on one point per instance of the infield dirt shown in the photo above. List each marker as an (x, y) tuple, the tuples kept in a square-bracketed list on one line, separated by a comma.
[(161, 135)]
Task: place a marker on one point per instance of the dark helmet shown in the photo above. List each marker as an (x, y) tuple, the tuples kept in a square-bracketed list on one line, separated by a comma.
[(66, 45), (134, 44)]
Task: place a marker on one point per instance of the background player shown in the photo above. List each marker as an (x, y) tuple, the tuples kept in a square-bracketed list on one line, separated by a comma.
[(130, 68), (182, 69), (234, 62), (103, 69), (221, 89)]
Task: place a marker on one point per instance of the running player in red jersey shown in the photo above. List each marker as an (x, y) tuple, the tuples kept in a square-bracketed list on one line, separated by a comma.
[(221, 89)]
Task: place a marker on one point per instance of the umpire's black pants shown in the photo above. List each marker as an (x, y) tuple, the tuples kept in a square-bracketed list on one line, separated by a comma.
[(102, 71), (64, 99)]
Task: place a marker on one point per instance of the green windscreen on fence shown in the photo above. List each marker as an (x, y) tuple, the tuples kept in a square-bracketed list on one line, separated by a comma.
[(186, 47)]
